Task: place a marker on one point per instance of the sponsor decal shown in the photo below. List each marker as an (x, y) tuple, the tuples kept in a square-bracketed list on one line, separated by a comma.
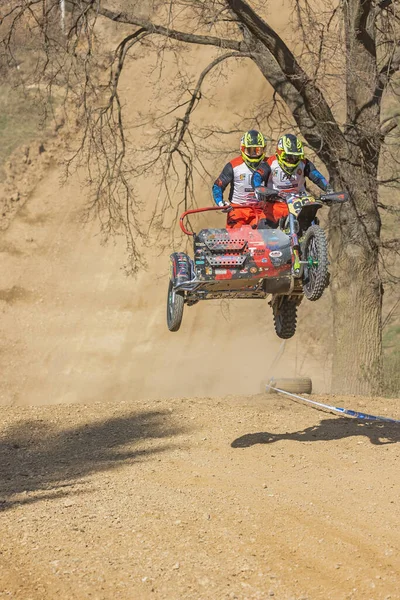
[(303, 202), (285, 176), (200, 262), (264, 260), (221, 271), (275, 253), (208, 271), (242, 176), (253, 269), (244, 271)]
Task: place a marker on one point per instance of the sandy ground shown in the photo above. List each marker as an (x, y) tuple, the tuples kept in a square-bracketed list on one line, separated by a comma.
[(137, 463), (237, 497)]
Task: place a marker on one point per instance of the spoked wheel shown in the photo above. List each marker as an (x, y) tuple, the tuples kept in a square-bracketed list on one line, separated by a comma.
[(315, 252), (285, 317), (175, 302)]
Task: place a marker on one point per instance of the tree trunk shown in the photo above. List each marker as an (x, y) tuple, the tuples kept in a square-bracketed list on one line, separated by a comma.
[(355, 227), (356, 287), (357, 326)]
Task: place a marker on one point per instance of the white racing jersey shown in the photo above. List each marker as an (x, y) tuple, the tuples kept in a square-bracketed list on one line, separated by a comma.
[(239, 175), (280, 181), (271, 174), (243, 180)]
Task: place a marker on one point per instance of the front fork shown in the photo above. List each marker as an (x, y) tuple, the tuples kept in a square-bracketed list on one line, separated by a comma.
[(294, 243), (297, 270)]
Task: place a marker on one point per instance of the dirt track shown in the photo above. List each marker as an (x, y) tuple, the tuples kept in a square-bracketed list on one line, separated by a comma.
[(241, 497)]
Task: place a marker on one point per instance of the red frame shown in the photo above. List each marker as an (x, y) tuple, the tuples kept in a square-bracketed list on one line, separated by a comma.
[(195, 210), (198, 210)]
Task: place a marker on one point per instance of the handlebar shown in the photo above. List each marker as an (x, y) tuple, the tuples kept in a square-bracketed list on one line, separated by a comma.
[(264, 194)]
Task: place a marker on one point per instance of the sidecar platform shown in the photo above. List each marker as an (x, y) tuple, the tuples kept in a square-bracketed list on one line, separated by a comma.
[(238, 263)]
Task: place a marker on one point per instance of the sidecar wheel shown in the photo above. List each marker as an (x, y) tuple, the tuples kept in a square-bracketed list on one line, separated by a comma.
[(316, 277), (175, 302), (285, 318)]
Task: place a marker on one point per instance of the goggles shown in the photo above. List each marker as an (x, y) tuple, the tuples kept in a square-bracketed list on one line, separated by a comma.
[(291, 159), (254, 151)]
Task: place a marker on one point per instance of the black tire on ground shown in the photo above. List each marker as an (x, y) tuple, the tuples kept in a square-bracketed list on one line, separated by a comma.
[(285, 318), (316, 278), (294, 385), (175, 302)]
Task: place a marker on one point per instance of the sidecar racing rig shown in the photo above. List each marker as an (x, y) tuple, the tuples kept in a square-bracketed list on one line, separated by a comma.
[(246, 262), (288, 260)]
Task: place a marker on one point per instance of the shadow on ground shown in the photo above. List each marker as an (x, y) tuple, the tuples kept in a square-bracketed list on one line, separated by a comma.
[(40, 462), (379, 433)]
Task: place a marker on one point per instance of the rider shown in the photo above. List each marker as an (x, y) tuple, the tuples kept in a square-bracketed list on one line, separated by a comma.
[(286, 171), (239, 173)]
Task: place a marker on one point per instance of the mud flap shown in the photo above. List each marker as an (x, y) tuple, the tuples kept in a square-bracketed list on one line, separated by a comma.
[(180, 268)]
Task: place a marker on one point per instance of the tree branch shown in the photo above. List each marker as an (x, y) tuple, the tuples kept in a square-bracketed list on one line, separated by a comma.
[(173, 142), (388, 125), (173, 34), (393, 210), (386, 73), (393, 244), (196, 94), (308, 94)]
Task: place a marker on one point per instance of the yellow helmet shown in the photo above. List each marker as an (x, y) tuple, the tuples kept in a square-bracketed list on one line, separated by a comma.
[(252, 146), (289, 152)]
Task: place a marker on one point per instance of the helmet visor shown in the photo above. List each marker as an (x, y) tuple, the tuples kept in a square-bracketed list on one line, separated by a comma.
[(292, 159), (254, 151)]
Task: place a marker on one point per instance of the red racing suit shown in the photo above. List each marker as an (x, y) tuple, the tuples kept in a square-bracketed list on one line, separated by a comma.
[(239, 176)]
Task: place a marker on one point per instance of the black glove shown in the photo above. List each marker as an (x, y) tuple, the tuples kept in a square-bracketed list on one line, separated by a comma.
[(226, 207)]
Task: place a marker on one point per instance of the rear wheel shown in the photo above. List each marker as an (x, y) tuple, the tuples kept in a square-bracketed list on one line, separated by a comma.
[(285, 317), (175, 302), (315, 252)]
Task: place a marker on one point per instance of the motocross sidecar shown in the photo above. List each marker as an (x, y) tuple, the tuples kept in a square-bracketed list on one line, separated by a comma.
[(233, 263)]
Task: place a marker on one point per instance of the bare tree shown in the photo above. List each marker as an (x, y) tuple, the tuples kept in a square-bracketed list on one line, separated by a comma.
[(330, 86)]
